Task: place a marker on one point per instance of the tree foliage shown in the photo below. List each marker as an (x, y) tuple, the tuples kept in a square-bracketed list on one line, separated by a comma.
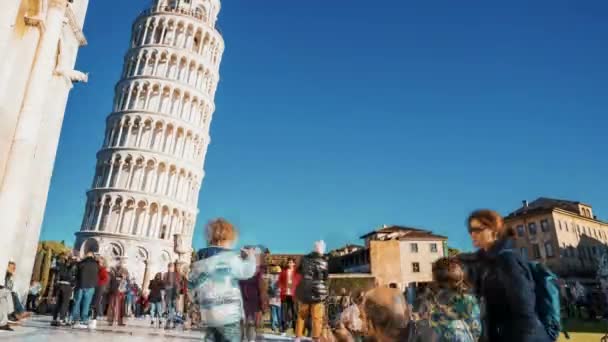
[(47, 251), (453, 251), (46, 269)]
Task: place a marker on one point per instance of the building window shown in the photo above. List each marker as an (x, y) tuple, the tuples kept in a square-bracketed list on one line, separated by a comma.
[(578, 229), (566, 226), (524, 252), (416, 267), (544, 226), (532, 228), (594, 250), (560, 224), (536, 251), (520, 230), (433, 248), (563, 251), (549, 250), (414, 247)]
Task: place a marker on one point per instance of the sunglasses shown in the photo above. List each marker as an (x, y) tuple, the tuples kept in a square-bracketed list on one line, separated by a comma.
[(476, 230)]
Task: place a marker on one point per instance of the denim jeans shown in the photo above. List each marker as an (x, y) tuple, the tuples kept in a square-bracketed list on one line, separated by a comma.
[(171, 303), (156, 309), (17, 303), (82, 304), (275, 317), (226, 333)]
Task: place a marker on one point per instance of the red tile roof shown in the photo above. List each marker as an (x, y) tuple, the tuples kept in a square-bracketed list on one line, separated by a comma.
[(407, 233)]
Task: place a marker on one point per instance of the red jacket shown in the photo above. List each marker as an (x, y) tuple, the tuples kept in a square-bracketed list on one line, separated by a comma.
[(283, 283), (104, 277)]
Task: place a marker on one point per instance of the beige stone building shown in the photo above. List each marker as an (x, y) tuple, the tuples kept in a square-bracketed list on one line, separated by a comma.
[(39, 41), (565, 235), (392, 254)]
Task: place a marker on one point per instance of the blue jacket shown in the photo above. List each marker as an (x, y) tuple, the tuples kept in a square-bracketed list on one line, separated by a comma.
[(506, 286), (213, 284)]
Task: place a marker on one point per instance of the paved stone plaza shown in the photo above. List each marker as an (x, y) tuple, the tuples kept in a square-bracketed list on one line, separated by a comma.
[(39, 329)]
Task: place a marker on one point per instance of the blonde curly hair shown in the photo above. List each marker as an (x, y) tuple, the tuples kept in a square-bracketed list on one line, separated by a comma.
[(220, 230)]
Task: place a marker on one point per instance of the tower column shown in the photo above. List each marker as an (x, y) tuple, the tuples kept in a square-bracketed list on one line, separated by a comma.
[(16, 187)]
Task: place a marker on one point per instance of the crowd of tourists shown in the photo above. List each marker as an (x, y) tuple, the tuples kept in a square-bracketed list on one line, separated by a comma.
[(493, 294)]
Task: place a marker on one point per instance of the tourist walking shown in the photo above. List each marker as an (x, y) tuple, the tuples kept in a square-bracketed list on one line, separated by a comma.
[(172, 281), (312, 291), (503, 281), (155, 298), (87, 277), (254, 302), (143, 304), (65, 280), (118, 289), (32, 296), (103, 279), (288, 282), (350, 317), (274, 299), (213, 282), (448, 311), (129, 297)]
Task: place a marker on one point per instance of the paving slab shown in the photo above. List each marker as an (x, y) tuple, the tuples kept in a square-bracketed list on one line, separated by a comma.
[(38, 329)]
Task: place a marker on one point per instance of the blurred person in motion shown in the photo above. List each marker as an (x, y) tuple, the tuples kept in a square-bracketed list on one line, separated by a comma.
[(448, 311), (155, 298), (274, 299), (351, 317), (100, 290), (32, 296), (172, 281), (87, 277), (253, 300), (118, 290), (503, 281), (65, 280), (213, 282), (288, 282), (312, 291)]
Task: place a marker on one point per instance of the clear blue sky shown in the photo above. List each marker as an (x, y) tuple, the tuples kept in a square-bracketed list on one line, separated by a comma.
[(335, 117)]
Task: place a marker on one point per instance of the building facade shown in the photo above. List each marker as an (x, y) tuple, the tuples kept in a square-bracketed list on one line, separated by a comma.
[(142, 205), (565, 235), (39, 42), (392, 255)]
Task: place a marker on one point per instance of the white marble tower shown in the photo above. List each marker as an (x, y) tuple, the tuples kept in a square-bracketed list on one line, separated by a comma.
[(150, 168)]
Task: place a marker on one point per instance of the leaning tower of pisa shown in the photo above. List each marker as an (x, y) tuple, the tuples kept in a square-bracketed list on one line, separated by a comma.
[(150, 167)]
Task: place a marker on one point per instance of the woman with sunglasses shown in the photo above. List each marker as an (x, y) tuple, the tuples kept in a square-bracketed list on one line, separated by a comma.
[(503, 282)]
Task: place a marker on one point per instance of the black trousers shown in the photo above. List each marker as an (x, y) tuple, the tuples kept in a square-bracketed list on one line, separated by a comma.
[(64, 294), (288, 309), (30, 304)]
